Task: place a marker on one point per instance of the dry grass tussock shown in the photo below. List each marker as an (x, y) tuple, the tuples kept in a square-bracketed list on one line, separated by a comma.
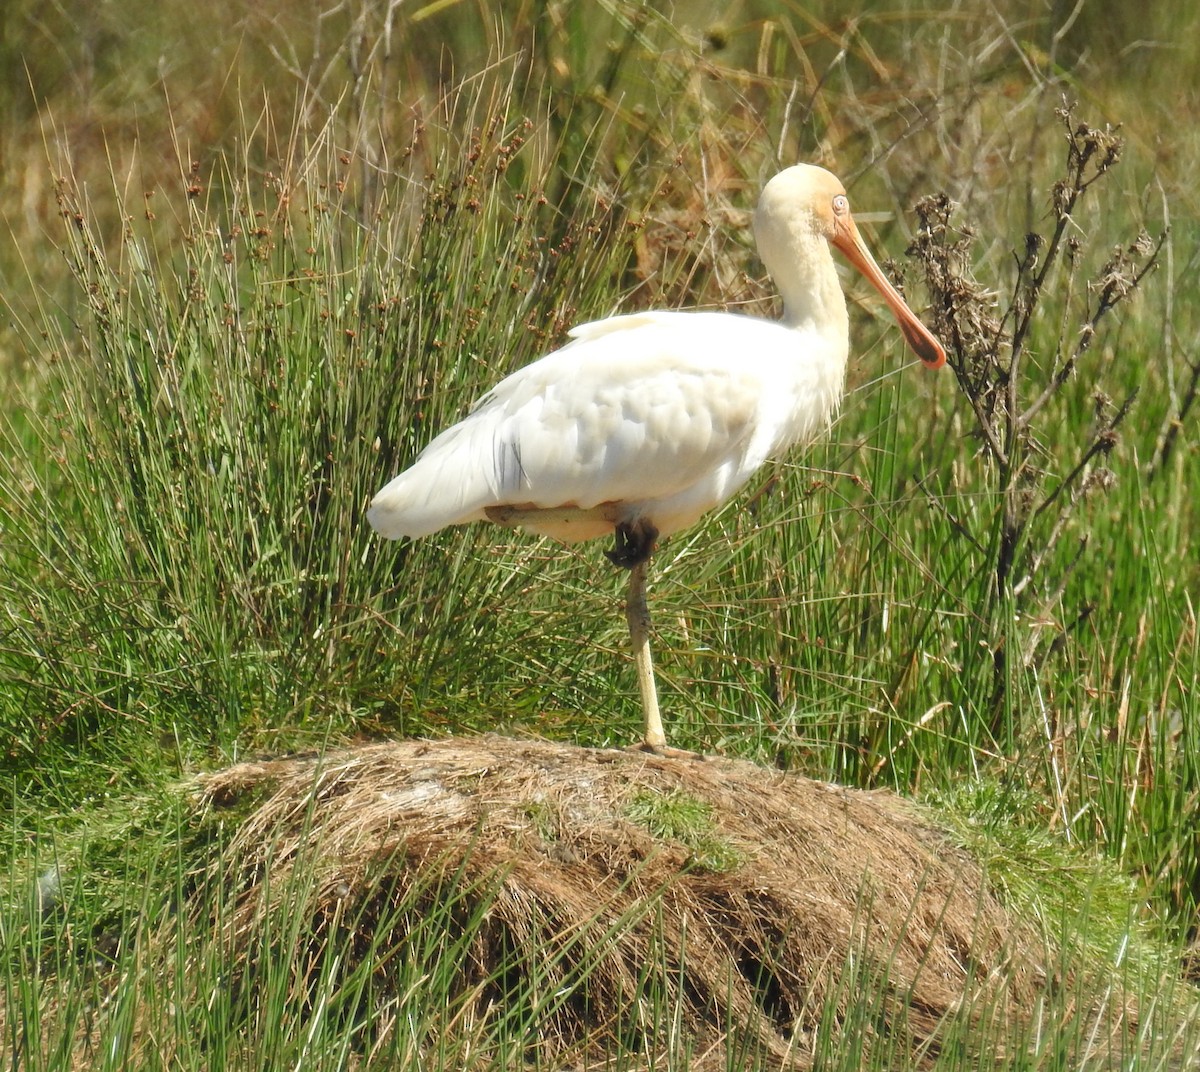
[(751, 890)]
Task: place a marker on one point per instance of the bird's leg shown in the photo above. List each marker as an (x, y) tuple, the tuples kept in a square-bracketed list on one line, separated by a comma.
[(637, 614), (633, 547)]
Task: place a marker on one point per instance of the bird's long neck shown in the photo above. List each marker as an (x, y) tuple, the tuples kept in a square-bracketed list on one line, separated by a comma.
[(800, 261), (803, 269), (811, 292)]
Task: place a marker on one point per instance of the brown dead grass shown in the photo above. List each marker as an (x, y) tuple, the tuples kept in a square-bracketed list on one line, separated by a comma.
[(805, 878)]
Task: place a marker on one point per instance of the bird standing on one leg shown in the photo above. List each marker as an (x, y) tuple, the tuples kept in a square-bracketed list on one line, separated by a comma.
[(643, 423), (633, 547)]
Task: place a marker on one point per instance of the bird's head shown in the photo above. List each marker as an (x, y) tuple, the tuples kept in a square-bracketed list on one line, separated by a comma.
[(806, 201)]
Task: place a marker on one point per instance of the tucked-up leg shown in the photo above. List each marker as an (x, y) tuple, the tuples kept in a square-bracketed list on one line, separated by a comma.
[(634, 543)]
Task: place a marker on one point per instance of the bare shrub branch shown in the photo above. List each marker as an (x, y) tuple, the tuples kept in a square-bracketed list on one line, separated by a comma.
[(1010, 376)]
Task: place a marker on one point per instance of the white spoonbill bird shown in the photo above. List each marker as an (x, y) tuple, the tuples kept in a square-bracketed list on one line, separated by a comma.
[(642, 423)]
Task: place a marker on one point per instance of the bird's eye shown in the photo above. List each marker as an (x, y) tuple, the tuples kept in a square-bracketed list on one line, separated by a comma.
[(841, 205)]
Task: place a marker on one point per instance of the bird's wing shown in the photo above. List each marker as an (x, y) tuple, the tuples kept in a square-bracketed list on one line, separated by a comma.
[(636, 408), (595, 329)]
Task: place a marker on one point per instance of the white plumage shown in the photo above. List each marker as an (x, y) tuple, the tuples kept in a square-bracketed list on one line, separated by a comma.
[(643, 423), (646, 412)]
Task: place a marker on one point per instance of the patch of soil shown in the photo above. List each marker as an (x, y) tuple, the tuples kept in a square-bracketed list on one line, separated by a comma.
[(752, 889)]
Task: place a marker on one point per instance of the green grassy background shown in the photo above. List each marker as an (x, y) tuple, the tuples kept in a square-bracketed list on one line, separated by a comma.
[(254, 260)]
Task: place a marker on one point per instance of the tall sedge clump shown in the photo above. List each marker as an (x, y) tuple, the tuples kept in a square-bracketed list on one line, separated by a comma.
[(253, 354)]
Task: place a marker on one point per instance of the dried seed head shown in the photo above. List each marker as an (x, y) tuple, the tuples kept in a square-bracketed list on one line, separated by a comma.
[(1062, 197), (1033, 244), (1101, 479), (962, 310)]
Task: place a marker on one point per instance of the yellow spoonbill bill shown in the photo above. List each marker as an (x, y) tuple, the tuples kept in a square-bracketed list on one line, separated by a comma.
[(642, 423)]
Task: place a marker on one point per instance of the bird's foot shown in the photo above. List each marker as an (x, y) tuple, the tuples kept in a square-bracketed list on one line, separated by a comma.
[(634, 543), (666, 751)]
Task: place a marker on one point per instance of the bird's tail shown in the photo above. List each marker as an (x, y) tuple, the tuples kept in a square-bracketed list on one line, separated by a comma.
[(450, 483)]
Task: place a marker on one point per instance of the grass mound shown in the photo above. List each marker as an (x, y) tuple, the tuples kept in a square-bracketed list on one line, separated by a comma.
[(625, 899)]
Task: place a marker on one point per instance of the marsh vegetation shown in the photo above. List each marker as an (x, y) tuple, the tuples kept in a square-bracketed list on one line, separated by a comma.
[(256, 259)]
